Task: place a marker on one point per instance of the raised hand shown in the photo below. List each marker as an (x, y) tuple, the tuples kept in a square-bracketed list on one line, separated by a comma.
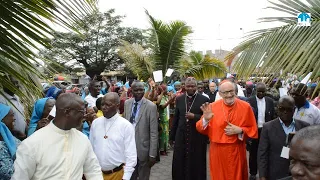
[(207, 111)]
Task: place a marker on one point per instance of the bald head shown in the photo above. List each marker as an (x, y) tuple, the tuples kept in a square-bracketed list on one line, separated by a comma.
[(68, 100), (227, 84), (70, 111), (227, 90), (137, 83), (286, 100), (112, 97), (308, 133)]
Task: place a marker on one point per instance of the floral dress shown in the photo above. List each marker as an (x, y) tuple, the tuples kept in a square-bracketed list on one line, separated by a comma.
[(6, 161), (164, 124)]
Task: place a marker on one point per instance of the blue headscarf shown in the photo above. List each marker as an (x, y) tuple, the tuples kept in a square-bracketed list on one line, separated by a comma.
[(175, 83), (53, 92), (37, 114), (86, 129), (5, 132)]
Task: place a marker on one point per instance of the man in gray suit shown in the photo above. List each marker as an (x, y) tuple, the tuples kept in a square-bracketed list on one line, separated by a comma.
[(142, 113)]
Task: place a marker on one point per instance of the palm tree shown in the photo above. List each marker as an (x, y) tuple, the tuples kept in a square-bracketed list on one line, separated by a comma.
[(24, 29), (137, 60), (288, 48), (167, 42), (201, 67)]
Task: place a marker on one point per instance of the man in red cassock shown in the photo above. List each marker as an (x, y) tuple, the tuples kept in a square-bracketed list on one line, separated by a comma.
[(227, 122)]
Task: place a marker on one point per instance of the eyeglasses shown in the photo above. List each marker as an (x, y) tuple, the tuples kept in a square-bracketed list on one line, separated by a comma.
[(82, 111), (283, 109), (227, 92)]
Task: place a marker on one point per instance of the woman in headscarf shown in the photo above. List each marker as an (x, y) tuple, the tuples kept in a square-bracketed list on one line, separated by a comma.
[(53, 92), (41, 110), (8, 143)]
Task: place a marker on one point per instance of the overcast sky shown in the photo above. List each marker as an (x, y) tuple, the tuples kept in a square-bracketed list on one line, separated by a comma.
[(204, 16)]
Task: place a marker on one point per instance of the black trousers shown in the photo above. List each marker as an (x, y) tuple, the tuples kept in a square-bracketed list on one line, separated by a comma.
[(253, 154)]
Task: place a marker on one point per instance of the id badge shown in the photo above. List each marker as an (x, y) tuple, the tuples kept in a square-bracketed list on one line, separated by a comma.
[(285, 152)]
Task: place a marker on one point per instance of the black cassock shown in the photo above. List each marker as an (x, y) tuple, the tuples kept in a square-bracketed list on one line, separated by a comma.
[(189, 157)]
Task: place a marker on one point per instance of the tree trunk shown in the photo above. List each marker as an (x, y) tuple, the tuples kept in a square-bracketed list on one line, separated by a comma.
[(93, 72)]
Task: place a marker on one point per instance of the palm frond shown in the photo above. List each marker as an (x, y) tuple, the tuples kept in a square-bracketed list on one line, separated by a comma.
[(201, 67), (288, 48), (136, 59), (24, 30), (169, 42)]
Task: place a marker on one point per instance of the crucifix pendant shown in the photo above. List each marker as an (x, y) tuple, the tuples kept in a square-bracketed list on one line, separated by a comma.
[(105, 136)]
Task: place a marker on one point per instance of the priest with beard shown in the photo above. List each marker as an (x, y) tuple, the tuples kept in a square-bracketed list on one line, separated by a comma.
[(189, 157)]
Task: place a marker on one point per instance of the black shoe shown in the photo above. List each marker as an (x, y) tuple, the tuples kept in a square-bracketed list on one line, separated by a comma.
[(252, 177)]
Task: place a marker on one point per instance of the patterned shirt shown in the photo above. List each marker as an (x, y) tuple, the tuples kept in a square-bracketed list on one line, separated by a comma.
[(6, 161)]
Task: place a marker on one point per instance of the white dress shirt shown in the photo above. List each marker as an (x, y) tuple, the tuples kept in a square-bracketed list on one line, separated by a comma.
[(92, 100), (18, 110), (52, 153), (205, 95), (261, 105), (119, 147)]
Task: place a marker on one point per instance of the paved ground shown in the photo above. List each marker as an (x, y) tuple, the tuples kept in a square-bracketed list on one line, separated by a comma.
[(162, 170)]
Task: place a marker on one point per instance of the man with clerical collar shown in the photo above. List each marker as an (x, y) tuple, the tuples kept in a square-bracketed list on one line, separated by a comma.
[(274, 140), (228, 122), (213, 91), (59, 150), (113, 141), (305, 111), (189, 157), (142, 114)]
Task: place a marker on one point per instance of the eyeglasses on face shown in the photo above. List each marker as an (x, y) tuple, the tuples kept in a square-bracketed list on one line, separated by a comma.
[(227, 92), (82, 111), (283, 109)]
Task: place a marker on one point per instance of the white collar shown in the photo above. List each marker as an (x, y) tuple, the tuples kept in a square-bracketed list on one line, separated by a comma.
[(58, 130), (113, 117), (263, 99)]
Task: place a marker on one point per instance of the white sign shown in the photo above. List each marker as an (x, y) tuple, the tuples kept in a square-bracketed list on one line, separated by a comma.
[(157, 76), (169, 72), (306, 79), (304, 19), (283, 91)]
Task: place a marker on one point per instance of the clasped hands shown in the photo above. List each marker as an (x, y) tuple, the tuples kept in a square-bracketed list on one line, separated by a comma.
[(230, 129)]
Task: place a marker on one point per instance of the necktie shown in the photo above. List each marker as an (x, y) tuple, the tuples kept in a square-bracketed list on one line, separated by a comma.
[(134, 112)]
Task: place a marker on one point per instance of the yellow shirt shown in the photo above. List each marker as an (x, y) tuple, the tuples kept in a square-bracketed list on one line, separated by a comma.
[(99, 113)]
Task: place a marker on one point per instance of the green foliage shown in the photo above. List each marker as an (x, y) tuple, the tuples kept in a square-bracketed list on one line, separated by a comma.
[(289, 48), (137, 60), (167, 42), (23, 30), (95, 48), (201, 67)]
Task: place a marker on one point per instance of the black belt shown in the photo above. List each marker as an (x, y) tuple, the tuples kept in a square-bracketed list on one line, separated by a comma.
[(114, 170)]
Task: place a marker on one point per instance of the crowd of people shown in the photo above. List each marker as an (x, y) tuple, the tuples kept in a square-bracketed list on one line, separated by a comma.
[(115, 131)]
